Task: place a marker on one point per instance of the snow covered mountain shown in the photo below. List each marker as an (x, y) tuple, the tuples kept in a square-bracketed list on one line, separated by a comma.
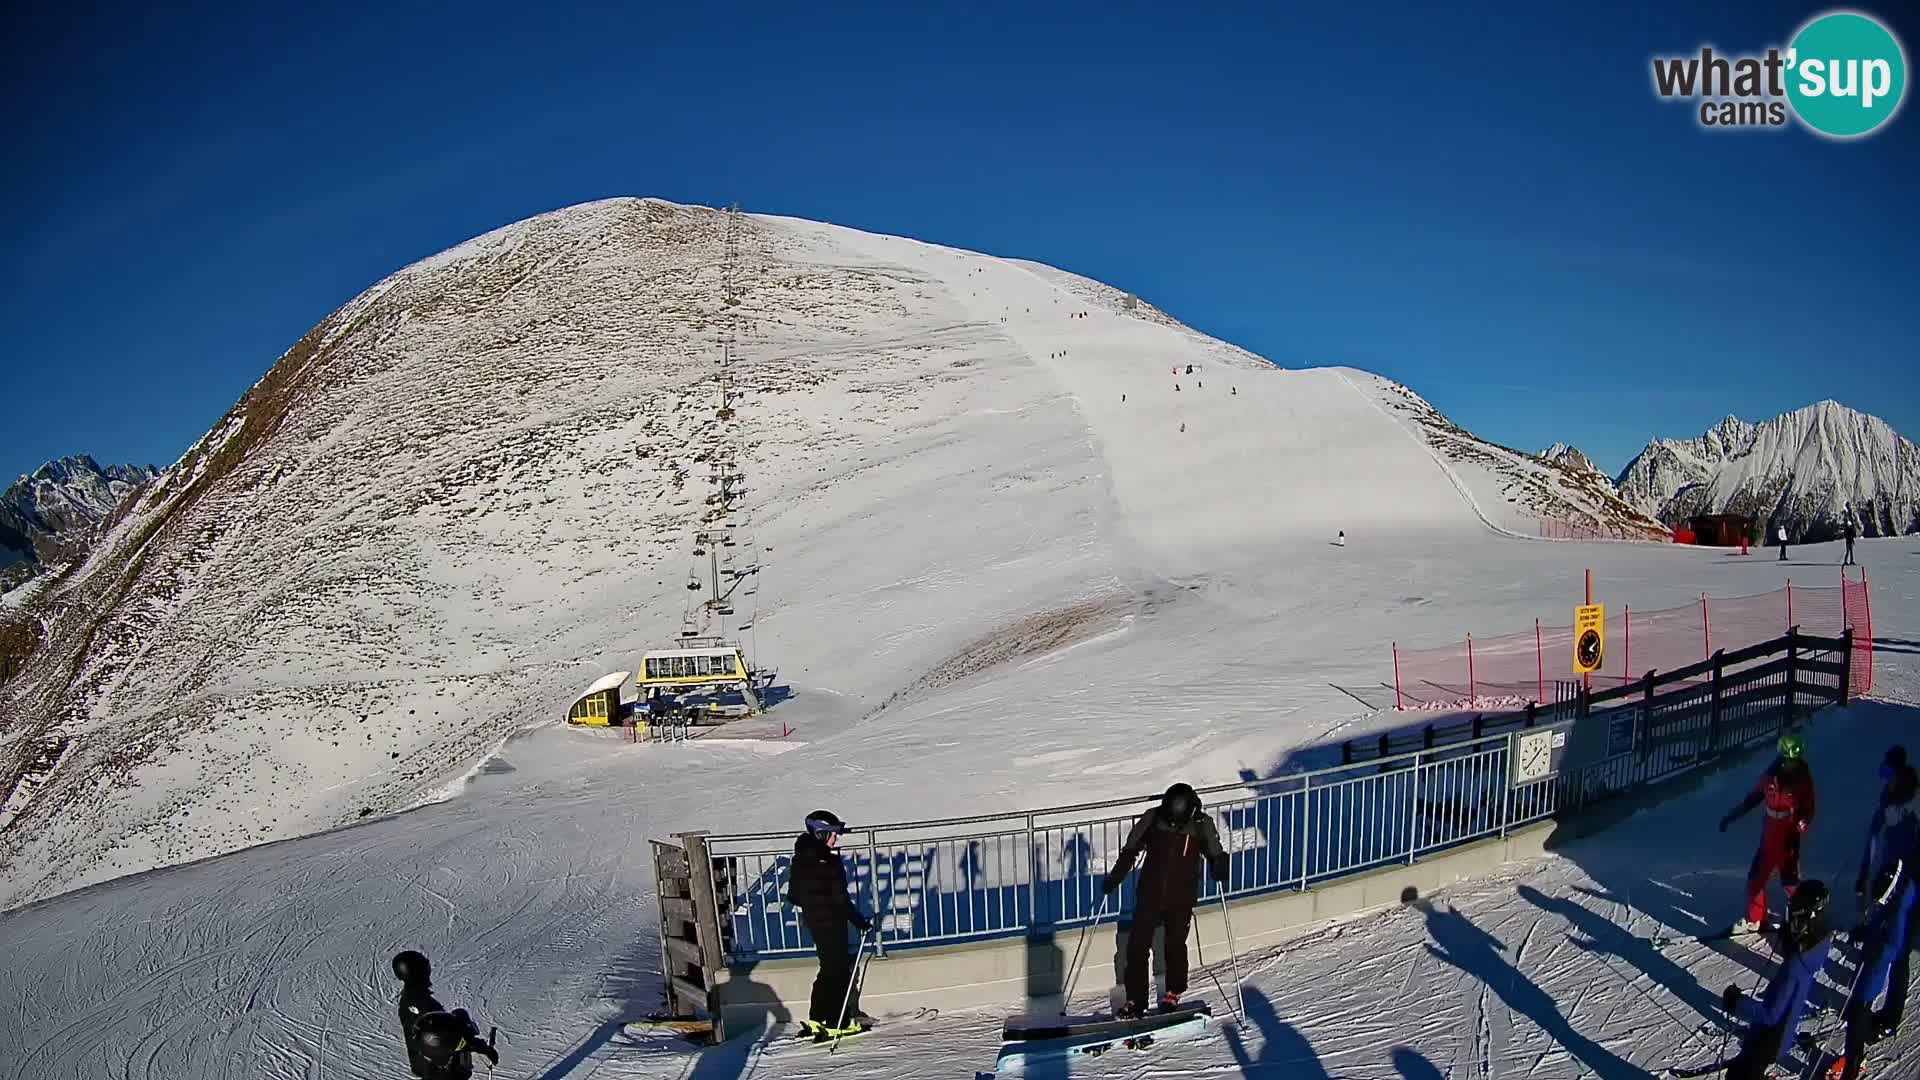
[(1801, 470), (50, 513), (474, 488)]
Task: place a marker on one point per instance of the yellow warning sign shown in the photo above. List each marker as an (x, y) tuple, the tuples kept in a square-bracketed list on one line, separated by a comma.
[(1589, 637)]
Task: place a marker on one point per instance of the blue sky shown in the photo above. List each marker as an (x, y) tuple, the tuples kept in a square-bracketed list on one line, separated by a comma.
[(1490, 206)]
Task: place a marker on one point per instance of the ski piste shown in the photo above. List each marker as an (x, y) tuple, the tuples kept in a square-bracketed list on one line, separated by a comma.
[(1183, 1026), (1029, 1028), (1727, 933)]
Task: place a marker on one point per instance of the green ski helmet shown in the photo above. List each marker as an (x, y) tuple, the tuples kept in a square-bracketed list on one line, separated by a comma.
[(1792, 747)]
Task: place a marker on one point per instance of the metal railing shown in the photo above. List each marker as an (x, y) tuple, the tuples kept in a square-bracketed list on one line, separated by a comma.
[(962, 879)]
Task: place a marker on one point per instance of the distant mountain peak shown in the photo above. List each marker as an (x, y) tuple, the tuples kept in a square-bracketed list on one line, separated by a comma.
[(52, 512), (1806, 470)]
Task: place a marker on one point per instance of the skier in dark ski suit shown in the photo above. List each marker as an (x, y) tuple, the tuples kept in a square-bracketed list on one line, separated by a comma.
[(818, 887), (1887, 907), (440, 1045), (1174, 836)]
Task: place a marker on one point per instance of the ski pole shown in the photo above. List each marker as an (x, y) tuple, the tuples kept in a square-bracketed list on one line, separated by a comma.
[(1073, 970), (853, 976), (1200, 954), (1233, 954)]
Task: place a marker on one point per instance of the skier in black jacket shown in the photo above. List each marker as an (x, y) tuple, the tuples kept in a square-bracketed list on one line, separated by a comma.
[(440, 1045), (1175, 836), (818, 887)]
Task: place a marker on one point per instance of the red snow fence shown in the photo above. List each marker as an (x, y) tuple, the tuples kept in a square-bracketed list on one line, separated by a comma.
[(1509, 671)]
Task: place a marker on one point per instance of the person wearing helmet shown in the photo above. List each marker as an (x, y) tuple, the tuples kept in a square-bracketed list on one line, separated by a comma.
[(818, 887), (427, 1053), (1887, 915), (1773, 1019), (447, 1042), (1174, 837), (1890, 766), (1787, 791)]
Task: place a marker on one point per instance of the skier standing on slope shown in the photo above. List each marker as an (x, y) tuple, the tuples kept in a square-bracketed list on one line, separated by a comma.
[(818, 887), (1174, 836), (1787, 791), (1890, 765), (1886, 921), (1850, 533), (1782, 533), (1774, 1018), (440, 1044)]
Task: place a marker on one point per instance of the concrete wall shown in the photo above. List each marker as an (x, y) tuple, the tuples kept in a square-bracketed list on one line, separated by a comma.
[(1024, 974)]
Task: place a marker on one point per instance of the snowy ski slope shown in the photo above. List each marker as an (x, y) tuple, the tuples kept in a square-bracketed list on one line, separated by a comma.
[(530, 888), (989, 582), (472, 490)]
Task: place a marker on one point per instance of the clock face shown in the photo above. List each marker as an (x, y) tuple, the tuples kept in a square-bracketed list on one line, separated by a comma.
[(1535, 757)]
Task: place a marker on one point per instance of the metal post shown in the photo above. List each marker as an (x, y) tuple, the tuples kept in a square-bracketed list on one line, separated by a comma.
[(1413, 808), (1706, 627), (1793, 672), (873, 892), (1790, 602), (1398, 702), (1713, 713), (1306, 807), (1033, 877), (1506, 789), (1846, 660), (1628, 665), (1471, 694)]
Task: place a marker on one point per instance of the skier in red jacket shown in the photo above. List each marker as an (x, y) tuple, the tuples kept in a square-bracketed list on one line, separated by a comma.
[(1787, 792)]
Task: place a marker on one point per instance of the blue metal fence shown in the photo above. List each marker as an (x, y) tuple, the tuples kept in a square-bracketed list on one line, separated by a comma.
[(962, 879)]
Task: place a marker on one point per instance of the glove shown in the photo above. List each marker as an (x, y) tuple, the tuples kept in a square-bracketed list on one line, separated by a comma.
[(1803, 823), (1723, 824), (1109, 883), (860, 922), (1730, 998), (492, 1055), (1219, 871)]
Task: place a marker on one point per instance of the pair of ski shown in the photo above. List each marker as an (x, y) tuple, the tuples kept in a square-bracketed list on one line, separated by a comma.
[(1032, 1040)]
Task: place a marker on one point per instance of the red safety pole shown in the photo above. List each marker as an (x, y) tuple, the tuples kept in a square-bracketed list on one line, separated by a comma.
[(1866, 598), (1540, 663), (1398, 703), (1706, 630), (1471, 696), (1628, 666)]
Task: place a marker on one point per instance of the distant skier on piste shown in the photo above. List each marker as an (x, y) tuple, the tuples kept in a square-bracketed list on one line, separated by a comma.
[(818, 887), (1887, 907), (1174, 836), (440, 1044), (1786, 789), (1773, 1019)]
